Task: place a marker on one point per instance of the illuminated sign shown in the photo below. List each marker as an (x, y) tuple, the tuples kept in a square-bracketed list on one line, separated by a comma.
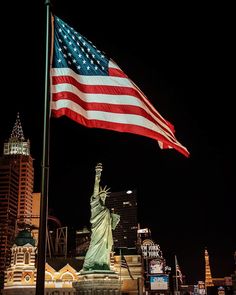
[(151, 251), (201, 288), (159, 282), (156, 266)]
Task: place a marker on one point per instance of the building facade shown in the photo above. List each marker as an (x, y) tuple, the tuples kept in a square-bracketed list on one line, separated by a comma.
[(18, 148), (16, 190), (60, 274), (124, 203), (8, 211)]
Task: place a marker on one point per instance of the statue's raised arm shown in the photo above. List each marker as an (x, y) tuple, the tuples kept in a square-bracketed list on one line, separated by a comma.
[(102, 223), (98, 173)]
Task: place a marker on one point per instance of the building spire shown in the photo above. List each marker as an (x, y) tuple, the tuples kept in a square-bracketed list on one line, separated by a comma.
[(17, 131), (208, 277), (17, 145)]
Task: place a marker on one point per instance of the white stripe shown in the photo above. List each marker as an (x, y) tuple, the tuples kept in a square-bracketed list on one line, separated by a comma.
[(109, 99), (103, 80), (92, 80), (111, 117), (114, 65), (98, 97)]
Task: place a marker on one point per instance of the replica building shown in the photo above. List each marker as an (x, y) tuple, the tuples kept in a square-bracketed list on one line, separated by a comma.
[(16, 191), (124, 203)]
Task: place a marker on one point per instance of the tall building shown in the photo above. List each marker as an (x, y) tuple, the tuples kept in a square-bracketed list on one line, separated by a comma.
[(16, 190), (208, 277), (8, 210), (18, 148), (124, 203)]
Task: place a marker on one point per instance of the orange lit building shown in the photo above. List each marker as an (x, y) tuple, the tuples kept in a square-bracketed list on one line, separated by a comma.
[(60, 273), (16, 190), (8, 211)]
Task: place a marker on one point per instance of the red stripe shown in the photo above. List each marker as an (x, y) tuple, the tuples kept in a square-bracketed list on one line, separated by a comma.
[(116, 73), (106, 89), (117, 127), (106, 107)]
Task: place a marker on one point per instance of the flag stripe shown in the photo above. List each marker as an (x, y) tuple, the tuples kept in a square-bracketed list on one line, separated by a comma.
[(100, 85), (101, 102), (107, 103), (65, 86), (112, 121)]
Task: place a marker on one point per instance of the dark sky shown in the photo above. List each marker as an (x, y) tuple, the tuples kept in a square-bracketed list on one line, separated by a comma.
[(182, 57)]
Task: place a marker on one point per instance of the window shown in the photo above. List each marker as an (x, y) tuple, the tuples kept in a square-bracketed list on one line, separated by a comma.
[(27, 257)]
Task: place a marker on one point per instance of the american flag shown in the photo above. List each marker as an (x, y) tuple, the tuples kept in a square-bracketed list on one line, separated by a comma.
[(124, 264), (178, 271), (92, 90)]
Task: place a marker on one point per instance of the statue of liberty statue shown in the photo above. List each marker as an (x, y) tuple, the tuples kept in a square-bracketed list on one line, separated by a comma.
[(102, 223)]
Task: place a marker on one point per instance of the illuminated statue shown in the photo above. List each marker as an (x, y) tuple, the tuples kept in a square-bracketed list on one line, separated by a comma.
[(102, 224)]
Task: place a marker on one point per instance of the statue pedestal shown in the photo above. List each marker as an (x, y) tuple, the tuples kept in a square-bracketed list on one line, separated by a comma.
[(98, 283)]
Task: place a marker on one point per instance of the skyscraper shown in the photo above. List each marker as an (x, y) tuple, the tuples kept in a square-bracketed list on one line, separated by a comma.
[(8, 210), (124, 203), (16, 190), (18, 149)]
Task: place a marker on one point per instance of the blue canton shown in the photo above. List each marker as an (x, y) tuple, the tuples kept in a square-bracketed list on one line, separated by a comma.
[(74, 51)]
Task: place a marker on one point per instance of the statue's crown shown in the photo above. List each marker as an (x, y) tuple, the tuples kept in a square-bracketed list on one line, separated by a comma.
[(104, 190)]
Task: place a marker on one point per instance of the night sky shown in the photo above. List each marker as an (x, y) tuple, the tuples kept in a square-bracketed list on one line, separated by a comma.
[(182, 57)]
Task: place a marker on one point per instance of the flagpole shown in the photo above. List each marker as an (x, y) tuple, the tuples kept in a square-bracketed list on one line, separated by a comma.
[(176, 277), (120, 269), (41, 258)]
